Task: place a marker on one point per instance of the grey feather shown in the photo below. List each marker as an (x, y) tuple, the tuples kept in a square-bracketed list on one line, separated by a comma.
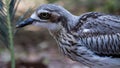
[(103, 33)]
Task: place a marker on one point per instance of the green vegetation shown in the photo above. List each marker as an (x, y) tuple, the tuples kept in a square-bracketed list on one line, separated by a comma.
[(106, 6), (7, 13), (112, 6)]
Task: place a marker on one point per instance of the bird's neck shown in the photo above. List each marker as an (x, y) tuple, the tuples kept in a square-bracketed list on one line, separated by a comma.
[(69, 21)]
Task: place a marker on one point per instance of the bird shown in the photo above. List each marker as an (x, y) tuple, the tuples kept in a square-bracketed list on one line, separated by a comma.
[(92, 38)]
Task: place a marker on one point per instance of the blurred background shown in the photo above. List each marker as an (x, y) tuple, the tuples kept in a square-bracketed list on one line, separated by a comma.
[(35, 48)]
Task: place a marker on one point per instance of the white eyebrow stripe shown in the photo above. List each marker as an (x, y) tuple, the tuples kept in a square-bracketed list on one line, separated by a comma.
[(34, 16), (86, 30), (39, 11)]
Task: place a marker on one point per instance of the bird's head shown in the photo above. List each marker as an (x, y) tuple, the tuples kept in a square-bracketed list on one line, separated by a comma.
[(49, 16)]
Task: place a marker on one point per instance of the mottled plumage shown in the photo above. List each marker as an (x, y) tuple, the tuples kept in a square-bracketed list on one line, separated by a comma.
[(92, 38)]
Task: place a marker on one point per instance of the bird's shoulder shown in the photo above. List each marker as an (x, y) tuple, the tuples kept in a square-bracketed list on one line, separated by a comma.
[(96, 22), (88, 15)]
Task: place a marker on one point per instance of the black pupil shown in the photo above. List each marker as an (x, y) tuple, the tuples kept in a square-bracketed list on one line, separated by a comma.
[(44, 15)]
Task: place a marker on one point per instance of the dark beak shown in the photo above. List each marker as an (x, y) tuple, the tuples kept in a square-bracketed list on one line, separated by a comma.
[(25, 22)]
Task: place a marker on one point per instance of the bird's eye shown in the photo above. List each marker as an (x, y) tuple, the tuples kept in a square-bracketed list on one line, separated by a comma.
[(44, 16)]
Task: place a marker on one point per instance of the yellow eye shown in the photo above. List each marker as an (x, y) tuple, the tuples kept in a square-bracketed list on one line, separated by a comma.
[(44, 16)]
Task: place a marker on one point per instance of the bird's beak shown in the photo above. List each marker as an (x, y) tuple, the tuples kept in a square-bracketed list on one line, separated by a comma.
[(25, 22)]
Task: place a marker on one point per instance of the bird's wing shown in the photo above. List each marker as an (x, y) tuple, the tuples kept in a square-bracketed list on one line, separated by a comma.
[(101, 33)]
